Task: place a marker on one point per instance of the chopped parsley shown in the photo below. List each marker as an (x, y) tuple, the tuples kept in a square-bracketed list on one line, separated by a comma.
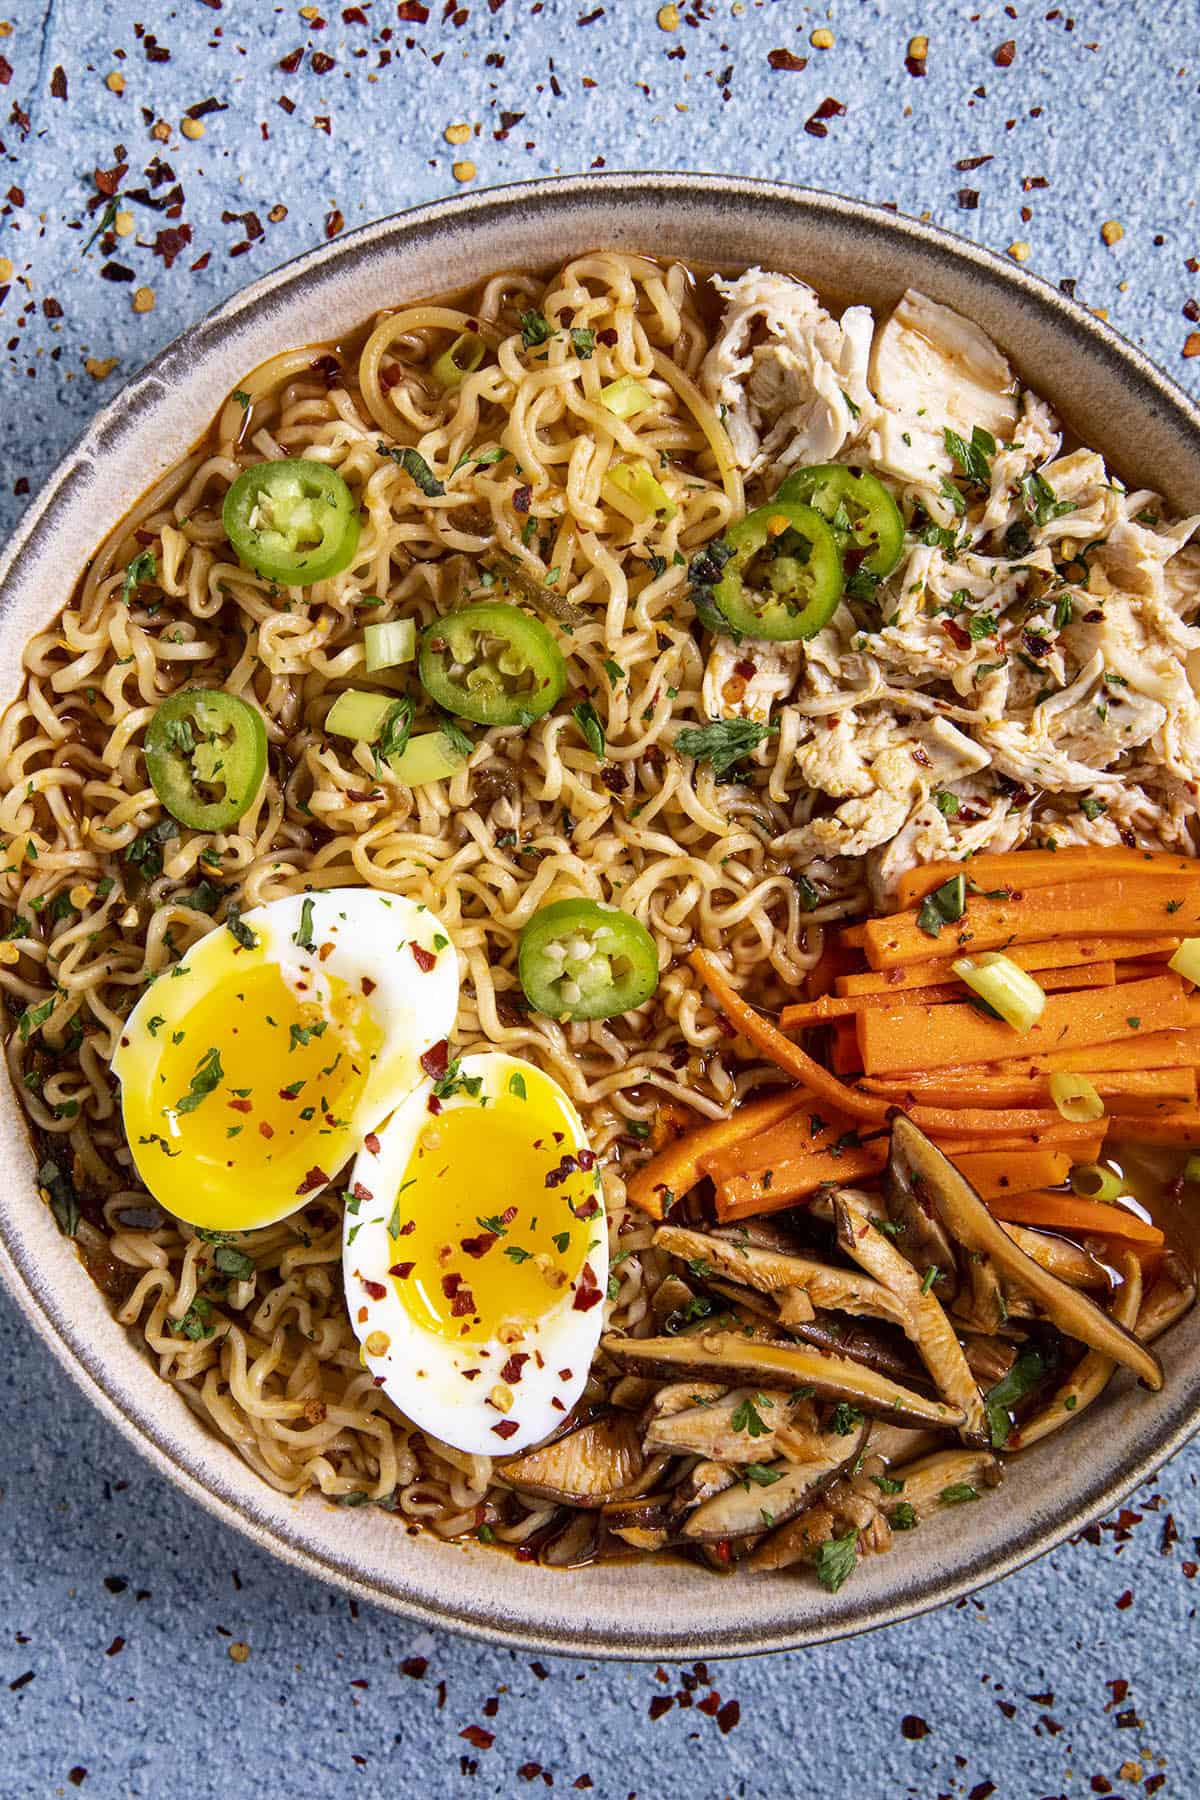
[(722, 742), (835, 1560)]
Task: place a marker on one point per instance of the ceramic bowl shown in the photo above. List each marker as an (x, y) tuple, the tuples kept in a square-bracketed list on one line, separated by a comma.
[(1110, 394)]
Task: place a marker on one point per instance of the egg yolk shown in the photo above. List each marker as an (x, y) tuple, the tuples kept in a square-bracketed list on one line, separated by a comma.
[(240, 1107), (494, 1218)]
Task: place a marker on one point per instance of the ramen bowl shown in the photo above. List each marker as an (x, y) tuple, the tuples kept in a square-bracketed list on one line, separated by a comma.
[(1108, 393)]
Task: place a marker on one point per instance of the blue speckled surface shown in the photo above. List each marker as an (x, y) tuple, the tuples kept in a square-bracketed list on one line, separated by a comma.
[(120, 1603)]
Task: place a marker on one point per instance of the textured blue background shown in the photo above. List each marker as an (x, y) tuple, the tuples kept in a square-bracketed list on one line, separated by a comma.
[(120, 1604)]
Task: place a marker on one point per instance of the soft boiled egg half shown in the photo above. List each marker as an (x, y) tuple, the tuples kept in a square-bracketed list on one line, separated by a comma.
[(255, 1069), (475, 1255)]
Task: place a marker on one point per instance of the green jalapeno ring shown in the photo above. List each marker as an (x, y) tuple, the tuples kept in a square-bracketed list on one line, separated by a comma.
[(200, 740), (294, 521), (491, 663), (790, 555), (578, 960), (860, 509)]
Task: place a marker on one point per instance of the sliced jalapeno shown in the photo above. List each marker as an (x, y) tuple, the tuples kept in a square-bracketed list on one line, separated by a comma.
[(493, 664), (206, 755), (581, 960), (783, 578), (294, 521), (862, 513)]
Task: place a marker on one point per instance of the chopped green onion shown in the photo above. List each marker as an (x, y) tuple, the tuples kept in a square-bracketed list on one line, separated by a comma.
[(1186, 960), (462, 358), (1008, 990), (430, 756), (1076, 1098), (625, 398), (633, 490), (393, 642), (358, 714), (1097, 1183)]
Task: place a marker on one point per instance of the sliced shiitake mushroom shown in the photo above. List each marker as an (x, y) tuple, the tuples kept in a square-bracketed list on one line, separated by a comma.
[(1091, 1374), (771, 1272), (718, 1429), (776, 1491), (963, 1215), (599, 1461), (724, 1355), (1070, 1262)]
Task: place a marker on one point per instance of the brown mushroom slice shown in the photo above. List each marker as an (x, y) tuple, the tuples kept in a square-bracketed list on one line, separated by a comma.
[(850, 1503), (1172, 1295), (1091, 1375), (989, 1358), (921, 1234), (759, 1306), (720, 1430), (972, 1226), (924, 1321), (575, 1545), (643, 1523), (770, 1272), (878, 1347), (727, 1355), (599, 1461), (679, 1396), (672, 1295), (702, 1480), (752, 1505), (632, 1393), (1059, 1256), (927, 1480), (763, 1234), (899, 1443)]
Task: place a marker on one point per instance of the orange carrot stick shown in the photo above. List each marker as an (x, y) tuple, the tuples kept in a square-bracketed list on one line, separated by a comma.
[(837, 1006), (806, 1132), (1066, 1135), (676, 1168), (1146, 1050), (1041, 868), (1123, 1090), (937, 1037), (1131, 905), (1067, 1212), (781, 1050), (1180, 1128), (1061, 954), (1015, 1172), (844, 1058), (768, 1190)]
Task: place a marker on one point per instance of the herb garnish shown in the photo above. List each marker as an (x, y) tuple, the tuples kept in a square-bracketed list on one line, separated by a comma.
[(722, 742)]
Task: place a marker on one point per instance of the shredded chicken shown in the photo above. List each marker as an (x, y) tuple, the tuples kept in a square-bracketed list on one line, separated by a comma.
[(1030, 672)]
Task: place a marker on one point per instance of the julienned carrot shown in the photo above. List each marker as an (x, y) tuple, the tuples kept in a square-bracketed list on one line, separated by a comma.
[(1146, 1050), (782, 1185), (1015, 1171), (1123, 1090), (844, 1058), (677, 1167), (1181, 1128), (806, 1132), (1084, 1141), (838, 1006), (832, 962), (1062, 954), (938, 1037), (1028, 1123), (780, 1049), (1131, 905), (670, 1122), (1067, 1212), (1040, 868)]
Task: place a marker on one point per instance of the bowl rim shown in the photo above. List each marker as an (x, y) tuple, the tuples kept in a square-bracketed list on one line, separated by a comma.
[(85, 1361)]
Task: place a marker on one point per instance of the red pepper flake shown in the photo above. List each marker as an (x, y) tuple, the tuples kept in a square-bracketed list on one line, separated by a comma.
[(155, 52), (367, 985), (375, 1289), (412, 12), (478, 1246), (529, 1771), (58, 83), (360, 1192), (728, 1717), (913, 1728), (414, 1667), (956, 634), (371, 1143), (587, 1294), (424, 959), (589, 1208), (116, 1647), (353, 15), (242, 1106), (511, 1372), (407, 1228), (1004, 54), (265, 1130), (506, 1428), (5, 77), (659, 1705), (828, 109), (109, 180), (402, 1271), (291, 62), (320, 63), (587, 1162), (583, 1783), (334, 222), (1125, 1600), (966, 163), (983, 1790), (522, 499), (787, 61), (436, 1060), (711, 1704), (316, 1178), (968, 199), (14, 1687), (475, 1734)]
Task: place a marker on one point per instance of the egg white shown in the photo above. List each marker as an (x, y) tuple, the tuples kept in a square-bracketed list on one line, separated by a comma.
[(423, 1373)]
